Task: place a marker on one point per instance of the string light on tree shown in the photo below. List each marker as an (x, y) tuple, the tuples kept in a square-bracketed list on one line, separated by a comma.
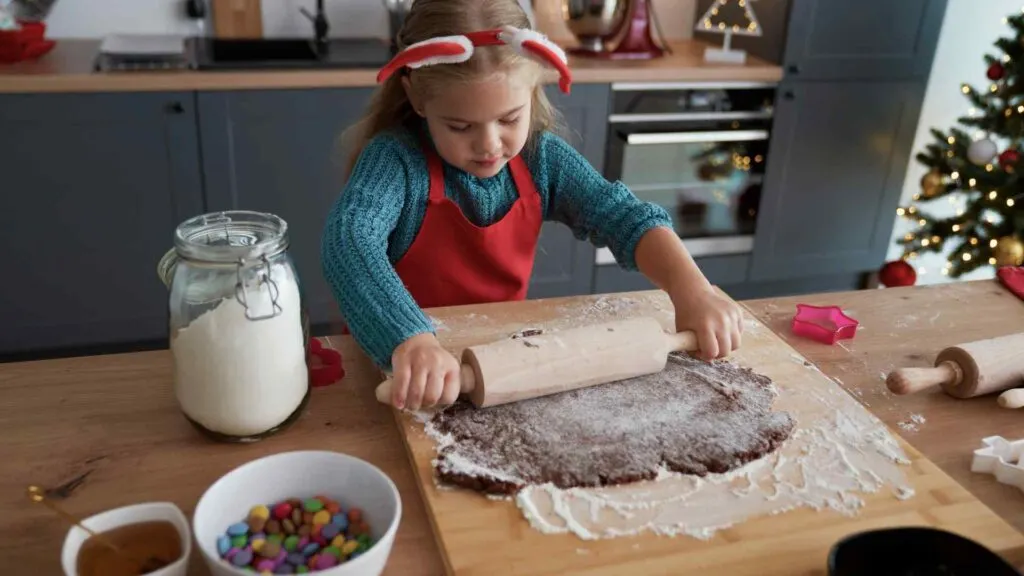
[(974, 165)]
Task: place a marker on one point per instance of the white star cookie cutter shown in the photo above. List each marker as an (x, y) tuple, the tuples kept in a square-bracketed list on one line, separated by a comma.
[(1001, 458)]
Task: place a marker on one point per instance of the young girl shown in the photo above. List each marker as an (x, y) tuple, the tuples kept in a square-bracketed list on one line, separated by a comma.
[(454, 170)]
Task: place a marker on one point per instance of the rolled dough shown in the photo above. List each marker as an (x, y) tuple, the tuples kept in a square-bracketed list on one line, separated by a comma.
[(694, 418)]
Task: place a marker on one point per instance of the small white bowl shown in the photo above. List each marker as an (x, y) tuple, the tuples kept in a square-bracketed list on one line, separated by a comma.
[(346, 479), (130, 515)]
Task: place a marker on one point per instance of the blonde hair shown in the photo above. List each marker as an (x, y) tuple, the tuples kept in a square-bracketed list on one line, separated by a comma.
[(389, 106)]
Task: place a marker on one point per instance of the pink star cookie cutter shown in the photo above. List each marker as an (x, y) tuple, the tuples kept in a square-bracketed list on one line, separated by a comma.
[(1002, 459), (826, 324)]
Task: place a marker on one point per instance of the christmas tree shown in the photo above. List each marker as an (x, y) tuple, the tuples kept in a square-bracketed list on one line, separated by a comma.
[(976, 167)]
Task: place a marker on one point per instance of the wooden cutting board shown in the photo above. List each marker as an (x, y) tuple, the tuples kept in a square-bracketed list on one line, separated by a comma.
[(479, 536), (237, 18)]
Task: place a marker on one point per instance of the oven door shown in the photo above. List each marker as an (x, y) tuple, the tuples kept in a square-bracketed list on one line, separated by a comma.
[(705, 167)]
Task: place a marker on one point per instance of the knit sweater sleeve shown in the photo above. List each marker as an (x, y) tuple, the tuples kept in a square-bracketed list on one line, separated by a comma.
[(605, 213), (379, 311)]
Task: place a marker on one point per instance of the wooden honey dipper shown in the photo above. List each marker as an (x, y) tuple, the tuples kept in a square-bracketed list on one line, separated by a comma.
[(146, 565), (529, 366), (968, 370)]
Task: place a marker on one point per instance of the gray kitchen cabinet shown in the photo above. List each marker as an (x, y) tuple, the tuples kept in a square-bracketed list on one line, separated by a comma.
[(836, 163), (563, 264), (279, 151), (93, 187), (877, 39)]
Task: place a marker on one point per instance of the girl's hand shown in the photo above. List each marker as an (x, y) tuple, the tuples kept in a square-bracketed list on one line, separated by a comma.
[(424, 374), (717, 321)]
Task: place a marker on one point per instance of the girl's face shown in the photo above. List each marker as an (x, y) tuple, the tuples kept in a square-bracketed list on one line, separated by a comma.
[(478, 127)]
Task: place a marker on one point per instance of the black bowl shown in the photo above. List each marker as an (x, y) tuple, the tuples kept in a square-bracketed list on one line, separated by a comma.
[(913, 551)]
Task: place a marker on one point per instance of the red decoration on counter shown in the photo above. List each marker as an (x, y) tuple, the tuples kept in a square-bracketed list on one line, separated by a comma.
[(324, 364), (637, 44), (996, 71), (1013, 278), (826, 324), (28, 43), (897, 273)]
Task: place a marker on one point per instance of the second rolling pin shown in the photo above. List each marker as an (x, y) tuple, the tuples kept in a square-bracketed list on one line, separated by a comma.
[(968, 370), (548, 363)]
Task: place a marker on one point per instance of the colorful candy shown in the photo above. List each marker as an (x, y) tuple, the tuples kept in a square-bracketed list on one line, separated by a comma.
[(330, 531), (340, 520), (282, 510), (295, 536)]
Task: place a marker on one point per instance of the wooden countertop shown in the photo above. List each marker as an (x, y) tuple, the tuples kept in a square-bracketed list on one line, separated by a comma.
[(108, 429), (68, 68), (907, 327)]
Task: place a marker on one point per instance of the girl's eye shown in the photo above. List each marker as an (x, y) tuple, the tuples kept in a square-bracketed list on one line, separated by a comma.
[(455, 128), (510, 121)]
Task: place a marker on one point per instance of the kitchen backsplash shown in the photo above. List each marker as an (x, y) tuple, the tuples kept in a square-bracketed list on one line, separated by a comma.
[(97, 18)]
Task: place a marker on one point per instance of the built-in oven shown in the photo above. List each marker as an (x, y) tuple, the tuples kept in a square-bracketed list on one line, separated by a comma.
[(698, 149)]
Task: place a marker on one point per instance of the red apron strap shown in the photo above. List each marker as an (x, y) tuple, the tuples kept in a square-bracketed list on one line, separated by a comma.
[(436, 171), (523, 179)]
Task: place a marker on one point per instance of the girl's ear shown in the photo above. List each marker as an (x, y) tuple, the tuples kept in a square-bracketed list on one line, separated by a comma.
[(411, 95)]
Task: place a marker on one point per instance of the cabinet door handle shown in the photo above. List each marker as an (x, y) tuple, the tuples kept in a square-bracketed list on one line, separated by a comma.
[(794, 69), (175, 108), (789, 95)]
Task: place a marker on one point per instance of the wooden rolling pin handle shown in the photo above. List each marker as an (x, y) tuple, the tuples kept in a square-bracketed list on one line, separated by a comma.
[(685, 341), (910, 380), (1013, 398), (467, 382)]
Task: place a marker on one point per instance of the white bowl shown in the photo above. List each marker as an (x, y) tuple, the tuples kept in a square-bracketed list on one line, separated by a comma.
[(346, 479), (130, 515)]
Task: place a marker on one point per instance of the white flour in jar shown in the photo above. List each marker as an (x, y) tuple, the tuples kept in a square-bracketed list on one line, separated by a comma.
[(238, 376)]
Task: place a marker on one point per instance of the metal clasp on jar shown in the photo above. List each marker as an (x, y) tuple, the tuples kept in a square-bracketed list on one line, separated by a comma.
[(263, 278)]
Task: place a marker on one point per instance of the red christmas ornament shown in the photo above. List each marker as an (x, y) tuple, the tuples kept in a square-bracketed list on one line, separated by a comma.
[(995, 71), (897, 273), (1008, 159)]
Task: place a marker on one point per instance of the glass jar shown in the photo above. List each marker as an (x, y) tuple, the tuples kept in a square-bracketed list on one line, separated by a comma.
[(239, 328)]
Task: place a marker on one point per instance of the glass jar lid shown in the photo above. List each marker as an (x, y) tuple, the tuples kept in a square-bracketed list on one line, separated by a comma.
[(231, 236)]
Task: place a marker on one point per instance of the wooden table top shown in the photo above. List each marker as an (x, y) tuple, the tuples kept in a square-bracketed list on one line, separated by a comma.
[(69, 68), (907, 327), (107, 431)]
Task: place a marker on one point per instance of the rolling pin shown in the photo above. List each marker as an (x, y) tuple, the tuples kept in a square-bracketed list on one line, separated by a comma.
[(968, 370), (530, 366)]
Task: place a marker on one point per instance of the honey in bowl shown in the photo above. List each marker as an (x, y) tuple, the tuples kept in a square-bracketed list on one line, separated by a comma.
[(145, 548)]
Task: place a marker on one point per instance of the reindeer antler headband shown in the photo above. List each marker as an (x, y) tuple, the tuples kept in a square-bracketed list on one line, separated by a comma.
[(455, 49)]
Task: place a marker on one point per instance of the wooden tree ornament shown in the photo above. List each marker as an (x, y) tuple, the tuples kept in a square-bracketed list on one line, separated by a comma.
[(728, 17)]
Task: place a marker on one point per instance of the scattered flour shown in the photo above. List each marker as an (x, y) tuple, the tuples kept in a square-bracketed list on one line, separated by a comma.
[(604, 308), (912, 424), (837, 453)]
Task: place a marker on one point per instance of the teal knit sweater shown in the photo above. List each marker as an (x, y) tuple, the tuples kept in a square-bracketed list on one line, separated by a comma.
[(378, 214)]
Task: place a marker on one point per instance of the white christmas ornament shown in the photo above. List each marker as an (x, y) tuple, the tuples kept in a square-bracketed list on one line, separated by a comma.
[(981, 152)]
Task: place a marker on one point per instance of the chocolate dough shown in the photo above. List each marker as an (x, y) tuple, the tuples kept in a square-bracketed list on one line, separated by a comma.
[(694, 417)]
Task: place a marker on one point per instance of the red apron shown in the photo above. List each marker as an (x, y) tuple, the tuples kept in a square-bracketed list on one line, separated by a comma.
[(453, 262)]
